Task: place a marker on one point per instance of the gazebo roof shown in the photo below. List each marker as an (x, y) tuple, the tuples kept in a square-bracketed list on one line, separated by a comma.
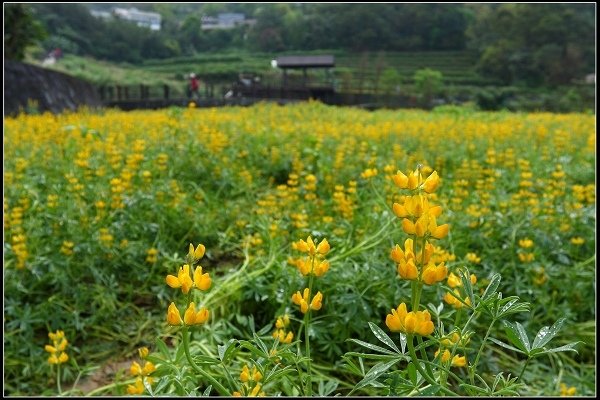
[(325, 61)]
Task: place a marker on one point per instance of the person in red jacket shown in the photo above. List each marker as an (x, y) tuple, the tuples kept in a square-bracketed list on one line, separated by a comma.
[(194, 87)]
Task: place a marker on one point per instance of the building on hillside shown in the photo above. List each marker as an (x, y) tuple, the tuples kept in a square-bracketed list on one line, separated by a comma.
[(141, 18), (225, 21)]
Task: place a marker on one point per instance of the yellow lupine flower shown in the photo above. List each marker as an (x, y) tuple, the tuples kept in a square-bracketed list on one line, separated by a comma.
[(137, 388), (431, 183), (198, 253), (303, 301), (418, 322), (193, 317), (173, 316), (202, 281), (434, 273), (143, 352), (135, 369), (567, 391)]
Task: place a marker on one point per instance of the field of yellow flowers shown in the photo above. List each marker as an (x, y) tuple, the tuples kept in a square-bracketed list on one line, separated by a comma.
[(300, 250)]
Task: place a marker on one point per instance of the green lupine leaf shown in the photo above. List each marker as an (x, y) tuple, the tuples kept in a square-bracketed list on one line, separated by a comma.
[(546, 334), (383, 337), (429, 391), (506, 346), (515, 338), (374, 373), (566, 347), (371, 346), (523, 336), (412, 373), (162, 347), (492, 286)]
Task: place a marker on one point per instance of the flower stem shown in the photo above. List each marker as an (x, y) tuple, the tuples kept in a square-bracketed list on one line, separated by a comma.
[(58, 379), (474, 366), (186, 347), (415, 360), (523, 370)]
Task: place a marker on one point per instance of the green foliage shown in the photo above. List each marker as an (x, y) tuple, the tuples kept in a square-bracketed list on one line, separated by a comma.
[(21, 29), (535, 44), (428, 83)]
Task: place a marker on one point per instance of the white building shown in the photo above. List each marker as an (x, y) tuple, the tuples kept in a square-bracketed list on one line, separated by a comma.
[(225, 21), (141, 18)]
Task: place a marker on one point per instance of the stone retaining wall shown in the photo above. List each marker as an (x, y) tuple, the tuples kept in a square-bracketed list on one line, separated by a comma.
[(53, 91)]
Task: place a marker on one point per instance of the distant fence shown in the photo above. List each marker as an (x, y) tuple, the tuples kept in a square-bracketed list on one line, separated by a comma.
[(159, 96)]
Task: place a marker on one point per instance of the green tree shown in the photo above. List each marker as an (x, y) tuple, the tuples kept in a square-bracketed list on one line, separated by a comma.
[(428, 83), (534, 43), (21, 29)]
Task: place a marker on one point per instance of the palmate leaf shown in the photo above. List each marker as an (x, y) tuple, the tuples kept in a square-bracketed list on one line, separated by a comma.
[(517, 336), (374, 373), (383, 337), (491, 288), (546, 334), (370, 346), (566, 347), (506, 346)]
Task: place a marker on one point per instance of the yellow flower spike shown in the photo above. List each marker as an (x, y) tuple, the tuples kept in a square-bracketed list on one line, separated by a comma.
[(413, 180), (408, 270), (143, 352), (453, 280), (304, 267), (191, 317), (410, 322), (321, 268), (425, 325), (445, 355), (199, 252), (50, 349), (135, 369), (436, 211), (202, 316), (408, 226), (301, 245), (63, 345), (323, 247), (312, 249), (431, 183), (255, 391), (316, 302), (148, 368), (63, 358), (279, 323), (459, 361), (245, 374), (256, 375), (428, 253), (185, 279), (202, 281), (397, 254), (400, 211), (400, 180), (421, 226), (137, 388), (395, 320), (173, 316), (441, 231), (297, 298), (473, 279), (173, 281)]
